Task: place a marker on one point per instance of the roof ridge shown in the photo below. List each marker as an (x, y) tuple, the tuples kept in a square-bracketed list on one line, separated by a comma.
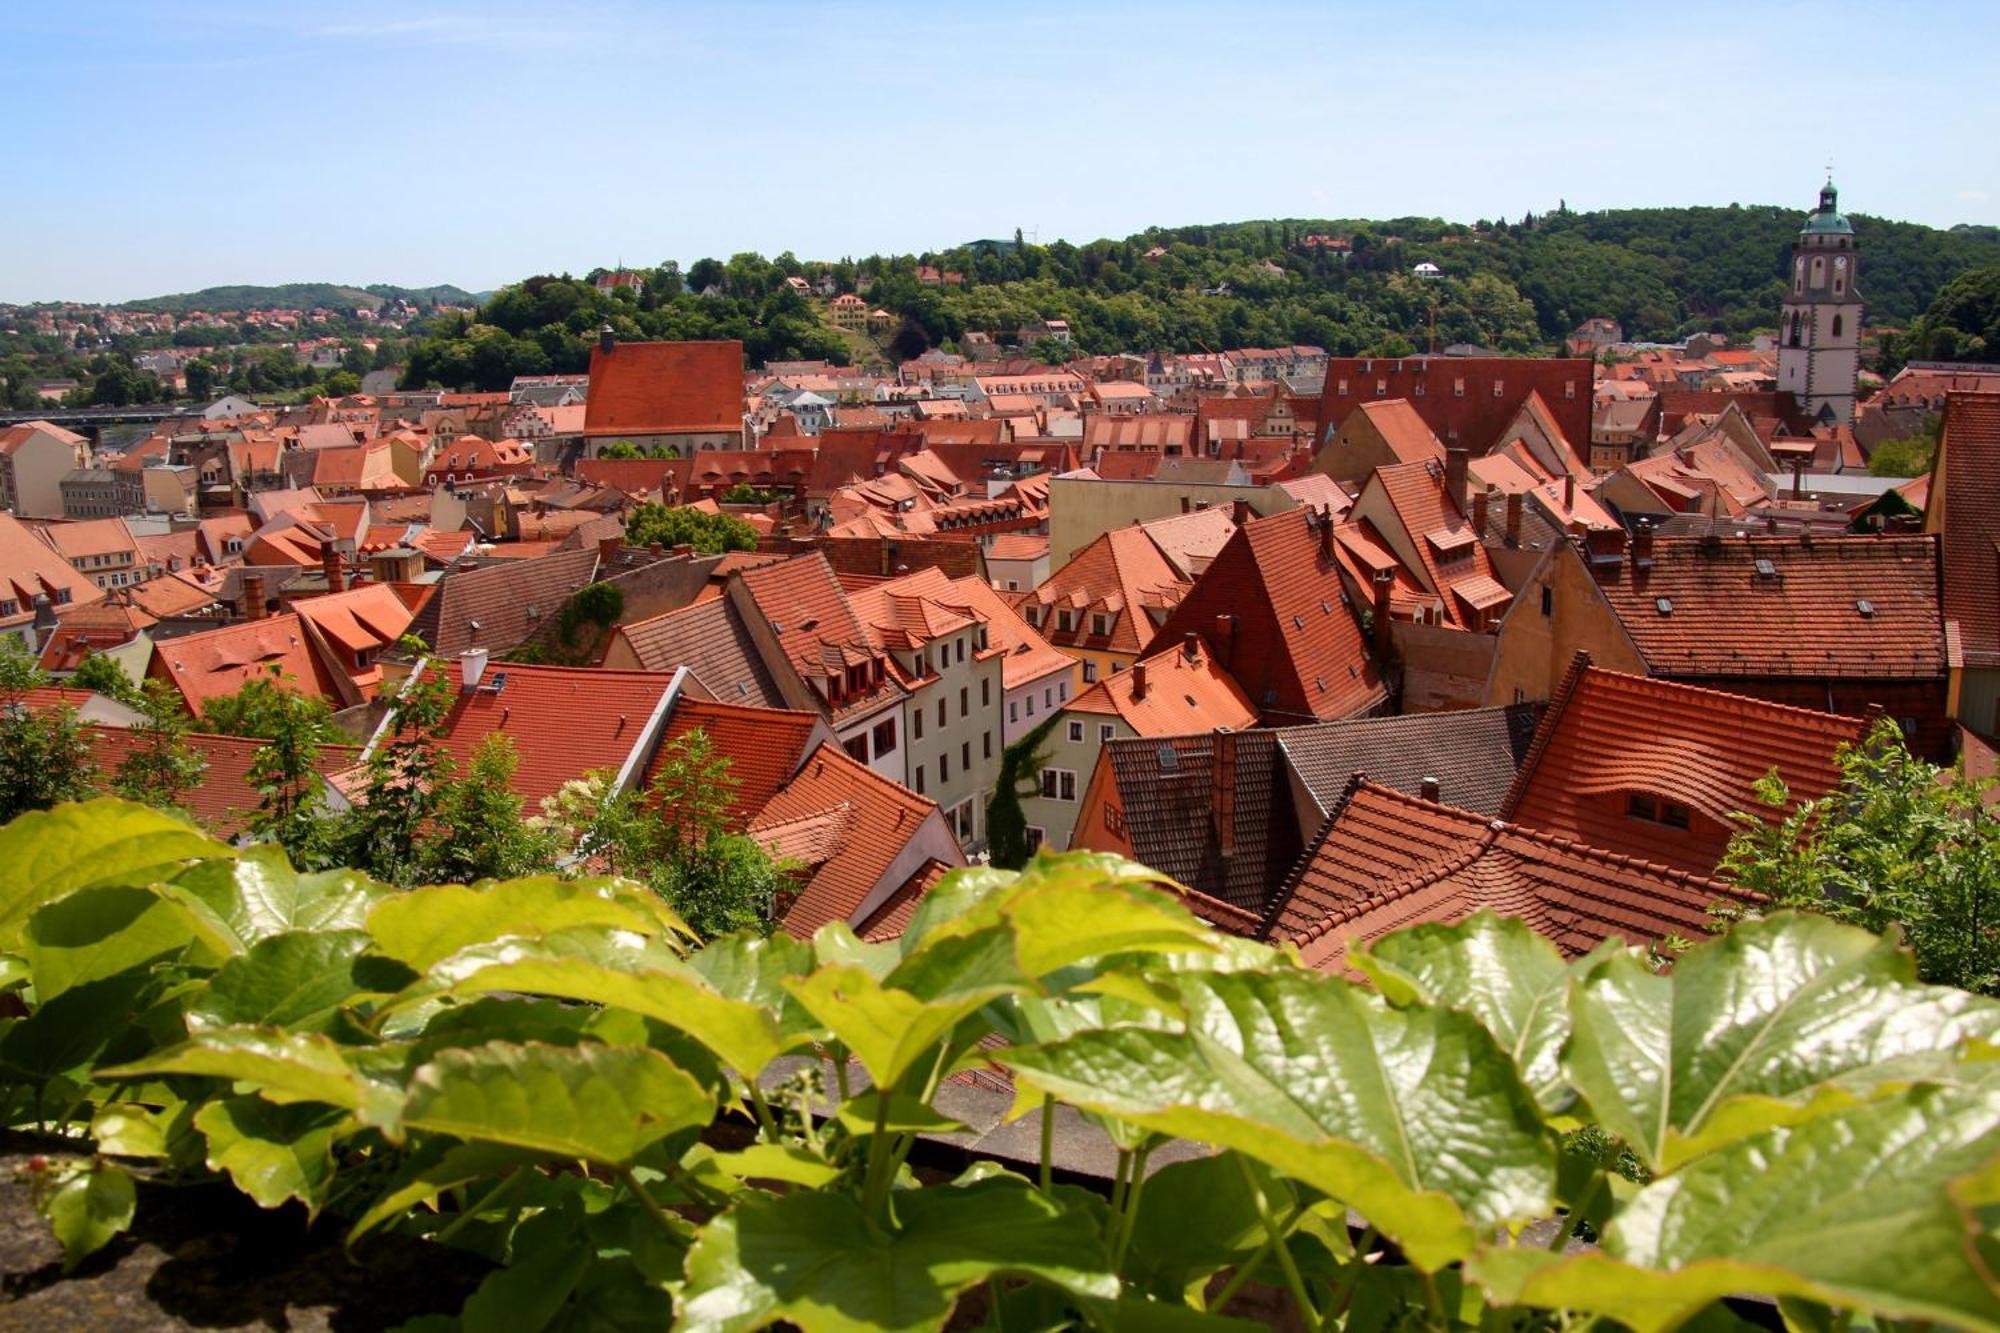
[(1545, 729)]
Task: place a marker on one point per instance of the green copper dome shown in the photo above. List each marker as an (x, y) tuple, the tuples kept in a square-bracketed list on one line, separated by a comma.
[(1828, 220)]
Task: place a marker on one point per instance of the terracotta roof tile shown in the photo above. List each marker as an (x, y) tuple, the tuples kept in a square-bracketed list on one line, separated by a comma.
[(710, 640), (892, 918), (764, 747), (224, 800), (216, 662), (1970, 521), (662, 388), (1169, 693), (499, 607)]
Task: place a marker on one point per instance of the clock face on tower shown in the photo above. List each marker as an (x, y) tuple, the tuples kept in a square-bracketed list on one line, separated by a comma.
[(1840, 264)]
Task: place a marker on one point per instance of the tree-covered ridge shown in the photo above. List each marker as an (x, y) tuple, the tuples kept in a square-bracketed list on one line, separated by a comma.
[(1515, 286), (302, 296)]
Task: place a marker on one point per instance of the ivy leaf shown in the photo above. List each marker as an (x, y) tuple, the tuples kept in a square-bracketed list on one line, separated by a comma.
[(604, 1104), (523, 1297), (1855, 1209), (49, 853), (778, 1161), (273, 1153), (886, 1029), (89, 1208), (285, 1067), (260, 895), (94, 934), (752, 967), (1415, 1117), (294, 980), (425, 926), (1168, 1254), (440, 1166), (1498, 970), (815, 1260), (1770, 1023)]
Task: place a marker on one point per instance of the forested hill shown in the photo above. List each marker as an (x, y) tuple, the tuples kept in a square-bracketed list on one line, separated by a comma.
[(303, 296), (1516, 286)]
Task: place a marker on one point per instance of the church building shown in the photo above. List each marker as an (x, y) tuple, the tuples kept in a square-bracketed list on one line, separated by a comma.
[(1819, 333)]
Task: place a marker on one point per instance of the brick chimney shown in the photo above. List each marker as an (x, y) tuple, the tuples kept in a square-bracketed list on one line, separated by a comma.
[(1138, 681), (1241, 512), (1642, 544), (253, 597), (1515, 502), (1479, 504), (1191, 646), (1326, 542), (329, 563), (607, 549), (1385, 579), (1225, 638), (1456, 460), (1569, 492), (606, 339), (1222, 798)]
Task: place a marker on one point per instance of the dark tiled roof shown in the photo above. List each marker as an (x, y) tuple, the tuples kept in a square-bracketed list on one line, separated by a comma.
[(1609, 736), (1387, 861), (709, 639), (1472, 753), (1970, 459), (1182, 794), (1784, 606), (506, 602)]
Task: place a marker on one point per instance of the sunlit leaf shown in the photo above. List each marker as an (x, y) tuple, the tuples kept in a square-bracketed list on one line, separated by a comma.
[(89, 1209), (1499, 970), (816, 1261), (604, 1104), (777, 1161), (48, 853), (1770, 1022), (273, 1153), (1414, 1117), (1854, 1209), (260, 895), (886, 1029), (97, 933), (424, 926), (284, 1067), (291, 980)]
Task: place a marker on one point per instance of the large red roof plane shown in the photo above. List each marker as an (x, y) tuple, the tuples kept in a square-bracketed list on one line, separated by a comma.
[(664, 388)]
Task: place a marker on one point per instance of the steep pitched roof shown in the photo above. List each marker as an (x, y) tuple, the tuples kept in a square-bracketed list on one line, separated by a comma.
[(1209, 809), (216, 662), (501, 606), (1387, 860), (1292, 642), (1608, 736), (764, 747), (1465, 400), (1969, 518), (710, 640), (1029, 656), (1408, 438), (892, 918), (665, 388), (1452, 558), (29, 568), (359, 621), (1123, 574), (1472, 754), (854, 849), (224, 800), (1784, 606)]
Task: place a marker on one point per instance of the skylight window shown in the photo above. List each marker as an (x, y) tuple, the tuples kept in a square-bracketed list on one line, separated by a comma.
[(1865, 607), (1664, 605), (1766, 570)]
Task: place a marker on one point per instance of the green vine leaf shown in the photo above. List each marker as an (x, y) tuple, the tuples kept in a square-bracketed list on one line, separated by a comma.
[(273, 1153), (604, 1104), (815, 1261), (426, 926), (95, 934), (886, 1029), (1775, 1021), (259, 895), (1863, 1208), (90, 1208), (1414, 1117), (286, 1067), (49, 853), (297, 979)]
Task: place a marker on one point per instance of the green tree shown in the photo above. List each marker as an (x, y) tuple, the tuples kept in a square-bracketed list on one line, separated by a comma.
[(285, 772), (480, 831), (1898, 842), (104, 675), (1909, 455), (408, 773), (161, 768), (708, 533), (44, 755), (266, 704), (341, 383), (621, 449), (1006, 822), (200, 374)]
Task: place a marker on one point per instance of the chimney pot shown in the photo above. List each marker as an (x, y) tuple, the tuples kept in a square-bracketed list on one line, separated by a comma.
[(1429, 789), (606, 339), (471, 668), (1138, 681), (1514, 506), (1241, 512), (1191, 646)]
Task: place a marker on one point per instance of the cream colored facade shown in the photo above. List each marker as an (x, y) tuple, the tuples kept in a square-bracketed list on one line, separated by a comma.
[(1557, 611), (34, 458)]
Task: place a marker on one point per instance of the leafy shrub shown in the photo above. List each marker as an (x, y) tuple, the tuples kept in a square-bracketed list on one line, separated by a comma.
[(531, 1068)]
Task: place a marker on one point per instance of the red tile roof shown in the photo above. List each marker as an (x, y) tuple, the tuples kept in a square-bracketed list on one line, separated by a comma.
[(224, 800), (499, 607), (1609, 736), (216, 662), (1386, 861), (1124, 574), (764, 747), (665, 388), (892, 918), (1722, 616), (1170, 693), (30, 569), (883, 818), (1403, 430), (1969, 517), (1437, 530), (710, 640), (564, 721), (1293, 643), (1455, 395)]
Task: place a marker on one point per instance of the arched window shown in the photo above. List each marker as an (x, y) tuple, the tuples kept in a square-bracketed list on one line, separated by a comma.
[(1795, 330), (1836, 326)]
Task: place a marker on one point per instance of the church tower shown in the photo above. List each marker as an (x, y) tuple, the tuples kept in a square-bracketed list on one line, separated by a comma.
[(1819, 331)]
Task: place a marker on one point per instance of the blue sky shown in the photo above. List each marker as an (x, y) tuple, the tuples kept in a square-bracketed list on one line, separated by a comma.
[(168, 146)]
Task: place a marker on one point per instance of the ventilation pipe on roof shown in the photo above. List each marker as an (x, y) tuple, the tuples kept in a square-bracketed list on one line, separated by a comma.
[(1429, 789), (1191, 646), (471, 669)]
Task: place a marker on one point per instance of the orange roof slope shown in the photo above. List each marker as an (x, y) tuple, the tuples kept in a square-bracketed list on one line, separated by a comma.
[(1029, 656), (1970, 462), (30, 569), (1123, 574), (1291, 642), (564, 721), (1386, 861), (1454, 560), (1608, 736), (665, 388), (1785, 606), (1408, 438), (1173, 692), (764, 747), (216, 662), (866, 823)]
